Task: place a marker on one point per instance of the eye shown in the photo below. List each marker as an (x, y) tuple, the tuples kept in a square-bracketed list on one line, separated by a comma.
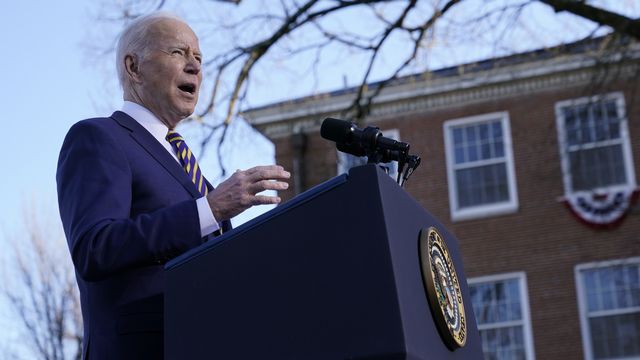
[(198, 58), (177, 52)]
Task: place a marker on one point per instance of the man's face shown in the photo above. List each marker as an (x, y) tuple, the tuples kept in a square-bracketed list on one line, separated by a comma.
[(170, 72)]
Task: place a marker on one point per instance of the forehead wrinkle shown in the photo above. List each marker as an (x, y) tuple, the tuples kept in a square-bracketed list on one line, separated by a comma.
[(171, 30)]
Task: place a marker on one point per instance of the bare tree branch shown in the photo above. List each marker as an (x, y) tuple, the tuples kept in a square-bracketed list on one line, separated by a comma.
[(288, 21), (362, 110), (42, 292), (258, 50), (619, 23)]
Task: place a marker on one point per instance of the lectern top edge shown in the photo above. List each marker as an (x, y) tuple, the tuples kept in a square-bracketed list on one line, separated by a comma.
[(296, 201)]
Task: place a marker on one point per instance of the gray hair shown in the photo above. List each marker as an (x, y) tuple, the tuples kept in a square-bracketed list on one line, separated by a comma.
[(134, 39)]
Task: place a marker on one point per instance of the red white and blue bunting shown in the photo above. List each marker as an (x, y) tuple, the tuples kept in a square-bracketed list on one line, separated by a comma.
[(602, 210)]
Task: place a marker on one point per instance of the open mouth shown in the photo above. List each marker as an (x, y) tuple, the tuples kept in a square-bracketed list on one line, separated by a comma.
[(188, 88)]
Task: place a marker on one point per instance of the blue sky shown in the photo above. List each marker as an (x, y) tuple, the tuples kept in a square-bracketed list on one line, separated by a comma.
[(48, 83), (43, 91), (42, 71)]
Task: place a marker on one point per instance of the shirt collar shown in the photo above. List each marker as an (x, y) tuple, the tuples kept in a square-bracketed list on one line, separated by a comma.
[(147, 119)]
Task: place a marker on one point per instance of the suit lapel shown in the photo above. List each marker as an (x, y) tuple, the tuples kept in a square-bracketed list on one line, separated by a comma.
[(156, 150)]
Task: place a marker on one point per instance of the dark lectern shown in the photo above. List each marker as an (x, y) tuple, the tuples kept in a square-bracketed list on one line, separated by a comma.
[(335, 273)]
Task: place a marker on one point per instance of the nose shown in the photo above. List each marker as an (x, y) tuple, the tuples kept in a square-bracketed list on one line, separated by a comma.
[(193, 66)]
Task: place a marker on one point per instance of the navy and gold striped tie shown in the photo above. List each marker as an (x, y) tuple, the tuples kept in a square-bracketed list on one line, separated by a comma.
[(188, 161)]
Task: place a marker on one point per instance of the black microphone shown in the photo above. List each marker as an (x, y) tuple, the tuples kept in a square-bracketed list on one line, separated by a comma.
[(361, 142)]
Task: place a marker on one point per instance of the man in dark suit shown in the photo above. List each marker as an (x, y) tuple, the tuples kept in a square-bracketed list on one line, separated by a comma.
[(126, 202)]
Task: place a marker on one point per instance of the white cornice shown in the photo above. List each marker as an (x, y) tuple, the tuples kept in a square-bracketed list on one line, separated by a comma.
[(428, 93)]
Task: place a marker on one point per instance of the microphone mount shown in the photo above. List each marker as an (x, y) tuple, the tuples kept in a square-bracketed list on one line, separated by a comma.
[(369, 142)]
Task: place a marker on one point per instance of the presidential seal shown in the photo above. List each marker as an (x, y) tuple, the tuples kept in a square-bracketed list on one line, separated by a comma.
[(442, 288)]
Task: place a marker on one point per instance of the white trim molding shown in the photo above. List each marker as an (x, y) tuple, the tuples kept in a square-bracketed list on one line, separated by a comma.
[(523, 293), (428, 91), (583, 308), (624, 140), (459, 213)]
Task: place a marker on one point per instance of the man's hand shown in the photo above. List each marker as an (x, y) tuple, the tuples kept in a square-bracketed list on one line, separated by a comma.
[(238, 193)]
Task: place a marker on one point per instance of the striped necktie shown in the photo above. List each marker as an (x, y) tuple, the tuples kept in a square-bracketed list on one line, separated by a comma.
[(188, 161)]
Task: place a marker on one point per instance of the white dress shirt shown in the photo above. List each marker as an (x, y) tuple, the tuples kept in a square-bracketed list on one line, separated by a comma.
[(159, 130)]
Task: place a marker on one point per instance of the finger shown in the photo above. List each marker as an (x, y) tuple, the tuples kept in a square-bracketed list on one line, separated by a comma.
[(266, 200), (267, 185), (256, 169), (269, 174)]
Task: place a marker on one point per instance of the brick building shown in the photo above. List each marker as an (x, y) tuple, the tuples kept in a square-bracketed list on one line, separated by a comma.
[(531, 160)]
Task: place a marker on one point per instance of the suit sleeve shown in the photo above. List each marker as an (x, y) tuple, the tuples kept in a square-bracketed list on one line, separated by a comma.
[(95, 196)]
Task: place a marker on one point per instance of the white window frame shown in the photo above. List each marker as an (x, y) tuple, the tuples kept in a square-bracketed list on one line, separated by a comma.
[(624, 138), (525, 322), (485, 210), (582, 301), (393, 170)]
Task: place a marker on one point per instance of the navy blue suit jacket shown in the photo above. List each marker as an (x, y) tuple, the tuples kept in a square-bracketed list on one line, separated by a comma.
[(127, 207)]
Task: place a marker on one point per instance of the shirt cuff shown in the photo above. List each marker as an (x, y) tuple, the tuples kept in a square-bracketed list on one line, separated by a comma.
[(208, 223)]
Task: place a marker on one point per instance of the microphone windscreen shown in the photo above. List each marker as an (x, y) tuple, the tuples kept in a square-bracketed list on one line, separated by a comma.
[(353, 149), (336, 130)]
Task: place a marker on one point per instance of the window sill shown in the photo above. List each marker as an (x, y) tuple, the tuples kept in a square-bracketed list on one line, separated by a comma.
[(484, 211)]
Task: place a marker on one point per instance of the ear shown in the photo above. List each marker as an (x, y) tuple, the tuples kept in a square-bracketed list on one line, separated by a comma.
[(132, 67)]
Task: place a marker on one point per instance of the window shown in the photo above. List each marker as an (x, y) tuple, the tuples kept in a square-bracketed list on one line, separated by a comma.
[(347, 161), (480, 167), (594, 143), (501, 306), (609, 303)]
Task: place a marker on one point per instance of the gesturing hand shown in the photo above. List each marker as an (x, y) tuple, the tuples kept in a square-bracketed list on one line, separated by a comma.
[(238, 193)]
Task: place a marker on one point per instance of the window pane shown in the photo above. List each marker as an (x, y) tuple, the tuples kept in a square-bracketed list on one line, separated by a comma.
[(592, 290), (584, 124), (496, 130), (478, 142), (484, 132), (457, 137), (572, 136), (514, 300), (503, 343), (614, 119), (615, 336), (482, 185), (464, 185), (620, 287), (597, 167), (614, 287), (601, 126), (593, 122), (470, 132), (498, 149), (459, 153), (571, 126), (496, 302), (606, 289), (485, 151), (472, 152), (633, 274)]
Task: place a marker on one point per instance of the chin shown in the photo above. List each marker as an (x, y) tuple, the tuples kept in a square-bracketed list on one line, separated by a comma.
[(185, 111), (189, 112)]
